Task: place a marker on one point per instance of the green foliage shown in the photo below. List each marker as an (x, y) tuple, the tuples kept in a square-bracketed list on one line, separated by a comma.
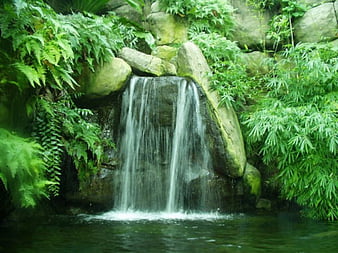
[(229, 76), (209, 16), (136, 4), (48, 49), (61, 127), (264, 4), (22, 169), (296, 128), (92, 6), (37, 46), (68, 6)]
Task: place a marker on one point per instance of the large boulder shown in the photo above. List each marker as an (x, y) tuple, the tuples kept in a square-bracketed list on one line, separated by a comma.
[(256, 62), (166, 53), (191, 63), (145, 63), (167, 29), (251, 26), (318, 24), (121, 8), (106, 79), (309, 3)]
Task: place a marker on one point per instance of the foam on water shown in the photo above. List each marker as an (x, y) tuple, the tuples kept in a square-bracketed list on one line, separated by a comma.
[(157, 216)]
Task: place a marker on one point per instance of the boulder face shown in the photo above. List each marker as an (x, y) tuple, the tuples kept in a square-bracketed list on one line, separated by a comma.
[(232, 158), (167, 29), (256, 63), (148, 64), (251, 26), (313, 2), (109, 78), (318, 24)]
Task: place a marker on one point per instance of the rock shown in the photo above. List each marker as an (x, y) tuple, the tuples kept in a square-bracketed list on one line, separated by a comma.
[(334, 44), (156, 7), (107, 79), (252, 180), (147, 63), (256, 63), (165, 52), (251, 26), (166, 28), (309, 3), (113, 4), (317, 24), (264, 204), (129, 12), (97, 192), (191, 63)]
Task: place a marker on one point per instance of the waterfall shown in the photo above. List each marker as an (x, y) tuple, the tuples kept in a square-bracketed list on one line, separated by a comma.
[(164, 156)]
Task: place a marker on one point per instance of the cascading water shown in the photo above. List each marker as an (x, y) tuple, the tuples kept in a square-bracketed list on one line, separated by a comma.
[(164, 157)]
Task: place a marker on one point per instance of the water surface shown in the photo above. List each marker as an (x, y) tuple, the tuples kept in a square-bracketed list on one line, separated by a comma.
[(117, 232)]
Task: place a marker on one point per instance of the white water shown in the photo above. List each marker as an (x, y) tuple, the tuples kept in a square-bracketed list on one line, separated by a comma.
[(164, 156), (157, 216)]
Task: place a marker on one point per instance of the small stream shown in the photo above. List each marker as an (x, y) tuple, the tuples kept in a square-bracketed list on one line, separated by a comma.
[(109, 232)]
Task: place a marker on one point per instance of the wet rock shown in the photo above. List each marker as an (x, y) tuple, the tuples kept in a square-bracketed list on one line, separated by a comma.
[(96, 193), (263, 204), (232, 160), (252, 181)]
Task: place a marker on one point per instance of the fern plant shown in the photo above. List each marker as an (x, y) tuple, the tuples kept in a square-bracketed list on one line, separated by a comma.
[(209, 16), (296, 128), (61, 129), (22, 169)]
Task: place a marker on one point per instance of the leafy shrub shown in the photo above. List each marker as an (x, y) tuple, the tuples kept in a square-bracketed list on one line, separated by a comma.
[(229, 77), (48, 49), (296, 128), (61, 128), (203, 15), (22, 169)]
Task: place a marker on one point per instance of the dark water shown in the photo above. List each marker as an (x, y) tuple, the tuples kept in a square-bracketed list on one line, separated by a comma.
[(232, 233)]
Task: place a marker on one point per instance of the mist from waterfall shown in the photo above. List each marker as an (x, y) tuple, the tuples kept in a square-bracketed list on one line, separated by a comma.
[(164, 156)]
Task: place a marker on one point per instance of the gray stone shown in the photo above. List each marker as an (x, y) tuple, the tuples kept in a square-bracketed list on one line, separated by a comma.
[(317, 24), (334, 44), (166, 53), (252, 180), (251, 26), (191, 63), (167, 29), (107, 79), (256, 62), (113, 4), (129, 12), (145, 63), (310, 3), (156, 7)]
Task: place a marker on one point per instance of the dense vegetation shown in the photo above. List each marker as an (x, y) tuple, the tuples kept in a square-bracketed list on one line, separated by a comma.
[(289, 114), (42, 53)]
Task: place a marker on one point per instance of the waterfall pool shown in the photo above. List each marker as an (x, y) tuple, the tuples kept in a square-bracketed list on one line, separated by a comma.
[(149, 232)]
